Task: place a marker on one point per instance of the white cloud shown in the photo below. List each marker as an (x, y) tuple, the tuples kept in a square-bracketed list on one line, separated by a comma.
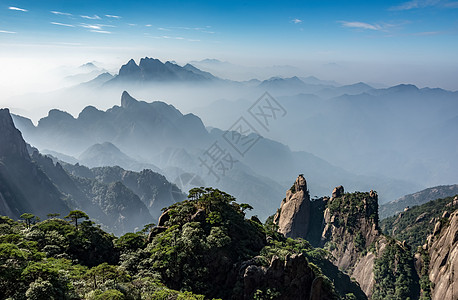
[(62, 24), (164, 29), (100, 31), (296, 21), (113, 16), (148, 25), (88, 26), (94, 17), (416, 4), (8, 32), (17, 8), (60, 13), (361, 25)]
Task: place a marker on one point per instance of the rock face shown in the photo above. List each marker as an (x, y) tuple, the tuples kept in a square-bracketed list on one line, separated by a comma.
[(293, 217), (443, 265), (293, 274), (351, 226), (24, 187), (11, 141), (338, 191)]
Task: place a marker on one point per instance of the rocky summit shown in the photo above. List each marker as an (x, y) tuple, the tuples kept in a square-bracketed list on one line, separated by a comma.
[(294, 213)]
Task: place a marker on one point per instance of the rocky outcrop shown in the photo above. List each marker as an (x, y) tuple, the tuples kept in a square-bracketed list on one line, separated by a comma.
[(442, 247), (351, 228), (338, 191), (292, 275), (294, 215)]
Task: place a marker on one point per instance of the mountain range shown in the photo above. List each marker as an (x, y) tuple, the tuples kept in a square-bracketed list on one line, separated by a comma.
[(140, 134), (33, 183)]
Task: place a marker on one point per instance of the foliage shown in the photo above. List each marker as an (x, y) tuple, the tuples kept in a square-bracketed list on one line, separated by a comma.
[(414, 225), (204, 241), (75, 215), (394, 273)]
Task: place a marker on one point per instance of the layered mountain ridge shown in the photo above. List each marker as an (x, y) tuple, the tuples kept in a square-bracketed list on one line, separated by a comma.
[(33, 183)]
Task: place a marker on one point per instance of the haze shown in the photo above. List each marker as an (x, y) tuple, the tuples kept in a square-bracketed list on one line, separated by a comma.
[(336, 67)]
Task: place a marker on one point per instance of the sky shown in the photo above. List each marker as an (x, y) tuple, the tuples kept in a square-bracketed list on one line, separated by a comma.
[(387, 42)]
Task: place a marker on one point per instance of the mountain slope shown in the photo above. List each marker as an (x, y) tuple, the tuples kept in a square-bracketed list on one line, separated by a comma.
[(418, 198), (152, 188), (24, 187)]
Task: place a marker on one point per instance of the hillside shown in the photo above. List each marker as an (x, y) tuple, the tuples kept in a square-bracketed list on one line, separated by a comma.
[(119, 200), (415, 224), (216, 252), (24, 187), (394, 207)]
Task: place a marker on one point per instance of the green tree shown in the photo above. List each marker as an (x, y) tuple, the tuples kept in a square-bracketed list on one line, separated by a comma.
[(53, 215), (28, 218), (75, 215)]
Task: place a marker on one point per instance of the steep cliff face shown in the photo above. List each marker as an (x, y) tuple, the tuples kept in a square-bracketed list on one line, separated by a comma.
[(347, 226), (442, 247), (351, 225), (24, 187), (294, 215), (11, 141), (351, 234)]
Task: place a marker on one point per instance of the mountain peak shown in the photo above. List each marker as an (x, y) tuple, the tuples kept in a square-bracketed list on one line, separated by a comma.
[(127, 100), (11, 141), (129, 69)]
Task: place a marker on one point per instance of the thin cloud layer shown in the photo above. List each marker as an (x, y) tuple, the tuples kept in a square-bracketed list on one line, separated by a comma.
[(62, 24), (417, 4), (7, 32), (94, 17), (61, 13), (17, 8), (100, 31), (361, 25)]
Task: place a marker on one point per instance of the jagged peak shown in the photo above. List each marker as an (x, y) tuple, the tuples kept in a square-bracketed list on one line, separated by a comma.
[(301, 183), (131, 62), (127, 100)]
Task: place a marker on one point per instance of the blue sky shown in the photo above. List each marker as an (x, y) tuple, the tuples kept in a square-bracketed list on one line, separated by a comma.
[(418, 33)]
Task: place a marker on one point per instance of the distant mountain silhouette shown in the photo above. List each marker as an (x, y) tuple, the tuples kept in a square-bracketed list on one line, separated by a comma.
[(152, 70), (31, 182), (107, 154), (157, 133), (394, 207)]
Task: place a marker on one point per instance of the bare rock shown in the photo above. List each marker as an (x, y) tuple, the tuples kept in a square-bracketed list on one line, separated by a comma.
[(421, 217), (443, 266), (163, 218), (446, 214), (294, 217), (293, 275), (337, 192)]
